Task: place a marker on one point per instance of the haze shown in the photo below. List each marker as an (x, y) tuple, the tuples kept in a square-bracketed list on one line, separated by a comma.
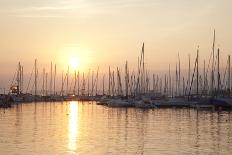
[(105, 32)]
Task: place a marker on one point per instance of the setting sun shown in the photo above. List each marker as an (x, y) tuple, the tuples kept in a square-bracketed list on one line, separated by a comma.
[(74, 63), (74, 56)]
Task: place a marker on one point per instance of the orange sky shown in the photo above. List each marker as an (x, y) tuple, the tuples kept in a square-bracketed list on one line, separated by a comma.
[(105, 32)]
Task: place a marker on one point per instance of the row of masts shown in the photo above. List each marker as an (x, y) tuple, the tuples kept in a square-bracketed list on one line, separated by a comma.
[(135, 83)]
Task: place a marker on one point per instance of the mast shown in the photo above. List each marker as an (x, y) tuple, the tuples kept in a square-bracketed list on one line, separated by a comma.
[(51, 81), (78, 84), (97, 80), (18, 79), (113, 84), (43, 81), (92, 84), (153, 83), (179, 91), (176, 80), (218, 75), (36, 77), (67, 81), (75, 83), (212, 80), (165, 85), (126, 79), (143, 73), (118, 82), (109, 81), (54, 85), (204, 85), (183, 87), (62, 84), (46, 84), (103, 85), (21, 79), (83, 85), (189, 72), (169, 79), (197, 71), (88, 82), (229, 84)]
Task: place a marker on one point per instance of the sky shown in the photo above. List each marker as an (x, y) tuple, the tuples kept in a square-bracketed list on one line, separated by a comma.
[(99, 33)]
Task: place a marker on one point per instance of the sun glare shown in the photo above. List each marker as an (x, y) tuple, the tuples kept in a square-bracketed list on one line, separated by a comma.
[(75, 57), (74, 63)]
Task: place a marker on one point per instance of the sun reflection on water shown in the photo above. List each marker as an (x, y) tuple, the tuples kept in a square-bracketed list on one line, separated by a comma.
[(73, 126)]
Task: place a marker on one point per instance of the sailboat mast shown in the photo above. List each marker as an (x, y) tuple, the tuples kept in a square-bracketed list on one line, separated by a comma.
[(75, 83), (54, 84), (109, 80), (189, 72), (21, 79), (103, 85), (197, 71), (51, 81), (153, 83), (97, 80), (46, 84), (204, 83), (83, 85), (78, 84), (88, 82), (169, 79), (229, 84), (92, 84), (176, 80), (18, 78), (183, 87), (62, 84), (126, 79), (43, 81), (67, 81), (179, 92), (212, 80), (143, 74), (35, 77), (218, 74)]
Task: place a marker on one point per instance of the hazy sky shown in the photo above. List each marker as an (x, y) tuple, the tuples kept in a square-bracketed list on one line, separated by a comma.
[(107, 32)]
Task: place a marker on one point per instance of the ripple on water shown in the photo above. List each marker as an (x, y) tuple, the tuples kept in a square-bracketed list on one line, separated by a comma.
[(83, 128)]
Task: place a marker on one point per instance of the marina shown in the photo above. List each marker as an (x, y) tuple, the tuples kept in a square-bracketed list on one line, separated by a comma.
[(204, 87), (106, 77)]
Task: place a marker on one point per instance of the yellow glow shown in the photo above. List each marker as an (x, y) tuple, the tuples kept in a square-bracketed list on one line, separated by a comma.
[(74, 63), (73, 126), (74, 56)]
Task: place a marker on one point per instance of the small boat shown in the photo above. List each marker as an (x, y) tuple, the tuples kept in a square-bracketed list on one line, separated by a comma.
[(222, 102), (145, 104), (103, 100), (118, 103)]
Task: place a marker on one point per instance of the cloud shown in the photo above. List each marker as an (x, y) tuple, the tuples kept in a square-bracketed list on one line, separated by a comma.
[(42, 10)]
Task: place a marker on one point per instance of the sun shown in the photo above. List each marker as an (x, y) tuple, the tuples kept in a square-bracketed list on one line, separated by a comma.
[(74, 63), (74, 57)]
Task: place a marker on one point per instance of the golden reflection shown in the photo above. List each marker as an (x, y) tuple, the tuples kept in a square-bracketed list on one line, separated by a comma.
[(73, 125)]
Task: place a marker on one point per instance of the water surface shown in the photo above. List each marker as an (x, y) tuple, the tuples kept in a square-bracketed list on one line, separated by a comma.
[(62, 128)]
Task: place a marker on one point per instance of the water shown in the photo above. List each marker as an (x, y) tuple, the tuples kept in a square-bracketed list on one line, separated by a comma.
[(87, 128)]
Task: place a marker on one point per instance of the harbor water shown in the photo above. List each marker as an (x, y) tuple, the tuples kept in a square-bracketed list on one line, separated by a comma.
[(85, 128)]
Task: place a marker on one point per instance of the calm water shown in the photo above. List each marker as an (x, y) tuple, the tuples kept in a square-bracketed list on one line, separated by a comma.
[(86, 128)]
